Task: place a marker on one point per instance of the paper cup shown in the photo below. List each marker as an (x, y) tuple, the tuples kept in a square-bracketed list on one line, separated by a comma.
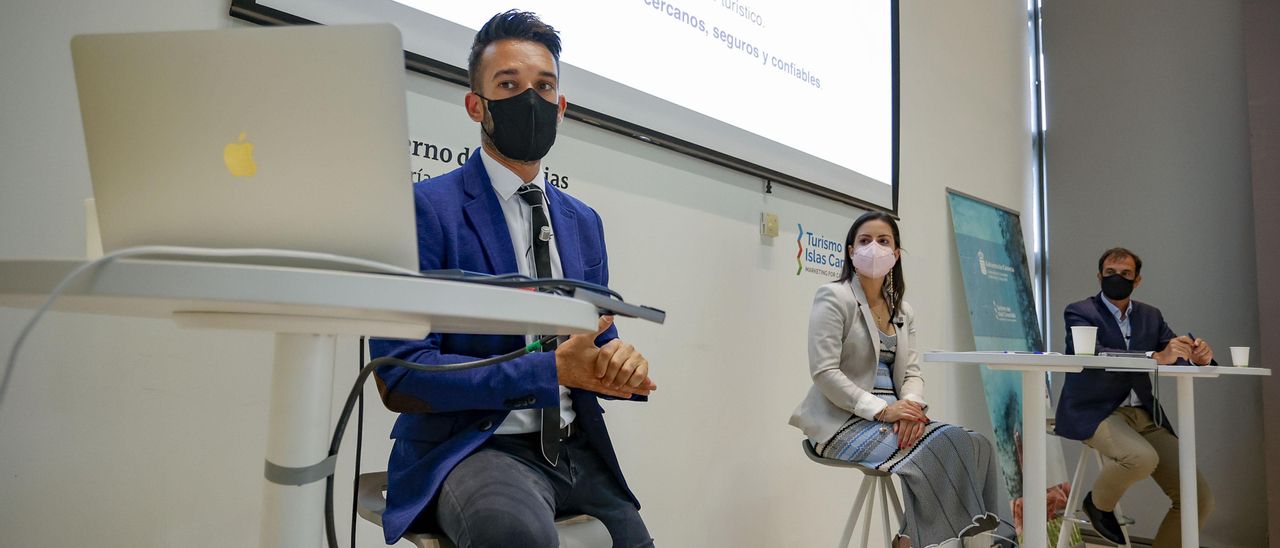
[(1083, 338), (1240, 356)]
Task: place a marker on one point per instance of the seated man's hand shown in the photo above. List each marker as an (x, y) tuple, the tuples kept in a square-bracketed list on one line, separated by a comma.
[(1201, 352), (1179, 347), (621, 367), (576, 360)]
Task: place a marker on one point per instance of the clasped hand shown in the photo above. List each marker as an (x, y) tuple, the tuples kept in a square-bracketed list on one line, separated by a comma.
[(616, 369), (909, 420), (1196, 351)]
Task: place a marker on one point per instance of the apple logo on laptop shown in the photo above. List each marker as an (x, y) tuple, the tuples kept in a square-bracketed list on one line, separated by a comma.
[(239, 158)]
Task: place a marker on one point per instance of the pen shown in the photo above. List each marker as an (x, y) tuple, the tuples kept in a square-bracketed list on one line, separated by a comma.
[(1193, 344)]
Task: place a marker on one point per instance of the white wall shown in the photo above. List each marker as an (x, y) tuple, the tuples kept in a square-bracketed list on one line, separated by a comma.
[(1148, 149), (135, 433)]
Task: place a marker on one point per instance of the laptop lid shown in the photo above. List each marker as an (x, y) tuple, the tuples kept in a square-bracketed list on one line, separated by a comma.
[(290, 138)]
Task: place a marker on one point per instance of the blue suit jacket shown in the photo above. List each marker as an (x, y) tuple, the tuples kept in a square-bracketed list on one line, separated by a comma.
[(447, 416), (1092, 395)]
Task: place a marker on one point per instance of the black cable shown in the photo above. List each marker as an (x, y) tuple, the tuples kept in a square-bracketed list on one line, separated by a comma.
[(512, 280), (357, 389), (355, 476), (540, 283)]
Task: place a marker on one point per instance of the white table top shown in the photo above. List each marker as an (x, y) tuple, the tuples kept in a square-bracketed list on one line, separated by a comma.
[(1213, 370), (167, 289), (1047, 360)]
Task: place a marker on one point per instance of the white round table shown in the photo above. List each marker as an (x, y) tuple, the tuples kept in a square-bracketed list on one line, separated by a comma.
[(306, 308)]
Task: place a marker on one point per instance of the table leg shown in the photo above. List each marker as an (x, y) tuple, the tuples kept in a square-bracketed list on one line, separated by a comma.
[(1035, 485), (1187, 461), (297, 440)]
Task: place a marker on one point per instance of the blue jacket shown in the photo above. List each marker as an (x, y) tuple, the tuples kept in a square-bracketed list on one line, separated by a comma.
[(447, 416), (1090, 396)]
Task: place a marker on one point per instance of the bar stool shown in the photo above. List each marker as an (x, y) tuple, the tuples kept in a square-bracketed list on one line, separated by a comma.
[(577, 531), (874, 483), (1075, 500)]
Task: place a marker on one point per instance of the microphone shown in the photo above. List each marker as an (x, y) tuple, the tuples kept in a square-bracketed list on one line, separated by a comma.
[(546, 234)]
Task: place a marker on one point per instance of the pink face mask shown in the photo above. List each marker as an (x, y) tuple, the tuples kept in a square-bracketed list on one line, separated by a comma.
[(873, 260)]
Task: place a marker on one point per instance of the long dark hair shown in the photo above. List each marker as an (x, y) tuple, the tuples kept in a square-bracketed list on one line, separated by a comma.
[(899, 286)]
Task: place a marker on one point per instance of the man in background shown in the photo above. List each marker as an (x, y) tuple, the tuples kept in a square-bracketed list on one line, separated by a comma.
[(1116, 413)]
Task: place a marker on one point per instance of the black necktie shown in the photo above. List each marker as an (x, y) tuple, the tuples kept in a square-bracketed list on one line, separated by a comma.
[(540, 238)]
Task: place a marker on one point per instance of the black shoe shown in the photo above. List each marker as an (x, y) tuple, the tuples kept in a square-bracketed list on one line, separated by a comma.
[(1105, 523)]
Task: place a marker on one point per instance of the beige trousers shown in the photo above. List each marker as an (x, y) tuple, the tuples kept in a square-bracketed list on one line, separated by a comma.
[(1134, 448)]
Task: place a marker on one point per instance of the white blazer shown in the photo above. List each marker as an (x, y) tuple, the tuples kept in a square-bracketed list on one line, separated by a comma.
[(844, 349)]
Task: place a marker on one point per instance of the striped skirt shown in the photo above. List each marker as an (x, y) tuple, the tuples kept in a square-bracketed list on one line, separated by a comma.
[(949, 477)]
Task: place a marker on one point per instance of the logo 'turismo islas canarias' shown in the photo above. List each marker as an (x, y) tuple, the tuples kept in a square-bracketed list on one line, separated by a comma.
[(238, 157), (818, 254)]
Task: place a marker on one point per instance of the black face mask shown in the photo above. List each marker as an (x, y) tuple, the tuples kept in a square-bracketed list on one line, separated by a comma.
[(524, 126), (1116, 287)]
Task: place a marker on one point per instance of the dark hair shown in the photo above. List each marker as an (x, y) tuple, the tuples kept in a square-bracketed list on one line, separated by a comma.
[(899, 285), (511, 25), (1120, 253)]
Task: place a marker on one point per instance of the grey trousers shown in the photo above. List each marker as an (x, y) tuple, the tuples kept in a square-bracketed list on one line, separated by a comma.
[(507, 495)]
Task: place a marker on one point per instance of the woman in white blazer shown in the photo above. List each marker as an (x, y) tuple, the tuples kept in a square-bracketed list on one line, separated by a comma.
[(867, 402)]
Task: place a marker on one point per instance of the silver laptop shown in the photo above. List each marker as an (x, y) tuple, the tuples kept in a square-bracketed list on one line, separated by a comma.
[(290, 138)]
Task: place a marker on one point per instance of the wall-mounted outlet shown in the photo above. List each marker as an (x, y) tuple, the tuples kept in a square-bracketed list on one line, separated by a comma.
[(769, 224)]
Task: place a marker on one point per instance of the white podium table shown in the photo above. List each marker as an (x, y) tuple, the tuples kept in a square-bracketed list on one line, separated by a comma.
[(1186, 374), (306, 309), (1034, 442)]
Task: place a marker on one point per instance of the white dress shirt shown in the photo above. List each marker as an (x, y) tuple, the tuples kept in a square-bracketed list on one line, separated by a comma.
[(519, 219)]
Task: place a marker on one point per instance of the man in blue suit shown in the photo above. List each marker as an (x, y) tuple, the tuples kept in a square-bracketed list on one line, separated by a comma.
[(1116, 413), (491, 455)]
